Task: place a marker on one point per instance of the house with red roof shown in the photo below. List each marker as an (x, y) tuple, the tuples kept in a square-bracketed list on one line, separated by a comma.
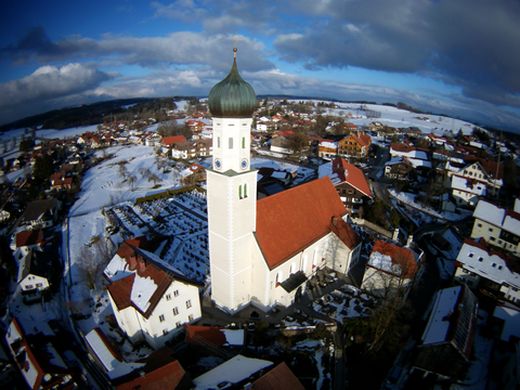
[(476, 180), (355, 145), (390, 267), (30, 239), (149, 302), (168, 376), (39, 362), (351, 184)]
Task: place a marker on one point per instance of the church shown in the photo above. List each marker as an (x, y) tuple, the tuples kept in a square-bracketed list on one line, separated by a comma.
[(263, 252)]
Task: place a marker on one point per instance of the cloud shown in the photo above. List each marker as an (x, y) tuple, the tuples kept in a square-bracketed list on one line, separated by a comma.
[(471, 43), (45, 85), (179, 48)]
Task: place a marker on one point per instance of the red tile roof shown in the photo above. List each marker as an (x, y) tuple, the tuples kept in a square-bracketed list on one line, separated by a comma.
[(174, 139), (351, 175), (403, 257), (289, 221), (345, 232), (279, 378), (29, 237), (120, 290), (211, 334), (166, 377)]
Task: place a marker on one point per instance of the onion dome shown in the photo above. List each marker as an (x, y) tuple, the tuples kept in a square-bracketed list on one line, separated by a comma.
[(232, 97)]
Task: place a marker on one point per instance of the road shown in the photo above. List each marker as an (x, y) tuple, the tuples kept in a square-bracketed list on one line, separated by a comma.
[(95, 376)]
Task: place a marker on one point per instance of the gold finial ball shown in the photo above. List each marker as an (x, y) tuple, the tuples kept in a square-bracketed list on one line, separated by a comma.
[(235, 52)]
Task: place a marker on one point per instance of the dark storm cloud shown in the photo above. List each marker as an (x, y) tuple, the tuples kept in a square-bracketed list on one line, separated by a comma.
[(472, 43)]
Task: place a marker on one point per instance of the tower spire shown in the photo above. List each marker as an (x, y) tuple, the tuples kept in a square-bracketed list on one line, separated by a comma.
[(235, 53)]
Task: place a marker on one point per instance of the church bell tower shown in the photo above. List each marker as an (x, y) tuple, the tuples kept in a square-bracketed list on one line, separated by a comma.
[(231, 191)]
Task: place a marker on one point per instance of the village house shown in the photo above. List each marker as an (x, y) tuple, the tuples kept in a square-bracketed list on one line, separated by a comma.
[(150, 303), (192, 149), (167, 143), (28, 240), (399, 169), (36, 272), (39, 362), (351, 184), (39, 214), (499, 227), (480, 265), (479, 179), (327, 149), (107, 356), (417, 157), (447, 342), (355, 145), (168, 376), (61, 182), (390, 268)]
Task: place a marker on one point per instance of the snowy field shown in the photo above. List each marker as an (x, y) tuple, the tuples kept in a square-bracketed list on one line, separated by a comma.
[(65, 133), (104, 185), (395, 117)]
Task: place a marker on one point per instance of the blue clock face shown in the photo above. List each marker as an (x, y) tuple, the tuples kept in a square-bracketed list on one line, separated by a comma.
[(243, 164), (218, 164)]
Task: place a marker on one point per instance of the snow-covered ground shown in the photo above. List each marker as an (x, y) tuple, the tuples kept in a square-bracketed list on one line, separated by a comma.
[(341, 304), (399, 118), (103, 185), (65, 133)]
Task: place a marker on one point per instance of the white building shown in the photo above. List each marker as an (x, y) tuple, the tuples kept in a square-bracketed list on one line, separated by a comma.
[(389, 268), (34, 272), (263, 252), (149, 302), (499, 227), (476, 180), (477, 262)]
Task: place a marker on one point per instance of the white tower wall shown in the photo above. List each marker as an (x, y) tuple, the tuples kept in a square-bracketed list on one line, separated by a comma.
[(231, 196)]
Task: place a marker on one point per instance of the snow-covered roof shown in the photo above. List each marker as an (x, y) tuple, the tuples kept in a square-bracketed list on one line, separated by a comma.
[(417, 162), (117, 268), (233, 371), (445, 304), (32, 371), (468, 185), (395, 161), (234, 337), (489, 263), (506, 219), (391, 258), (511, 317), (142, 290), (329, 144), (113, 366)]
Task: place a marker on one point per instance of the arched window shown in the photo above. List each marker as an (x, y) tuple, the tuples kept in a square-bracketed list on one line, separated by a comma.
[(230, 141), (240, 192), (218, 142), (245, 190), (243, 142)]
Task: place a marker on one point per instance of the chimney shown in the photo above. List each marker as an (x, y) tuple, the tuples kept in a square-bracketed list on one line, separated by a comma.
[(395, 237)]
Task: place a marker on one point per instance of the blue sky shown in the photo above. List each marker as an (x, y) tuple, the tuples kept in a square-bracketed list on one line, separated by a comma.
[(455, 57)]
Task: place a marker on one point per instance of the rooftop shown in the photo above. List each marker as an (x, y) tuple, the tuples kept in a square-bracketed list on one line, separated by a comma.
[(289, 221)]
